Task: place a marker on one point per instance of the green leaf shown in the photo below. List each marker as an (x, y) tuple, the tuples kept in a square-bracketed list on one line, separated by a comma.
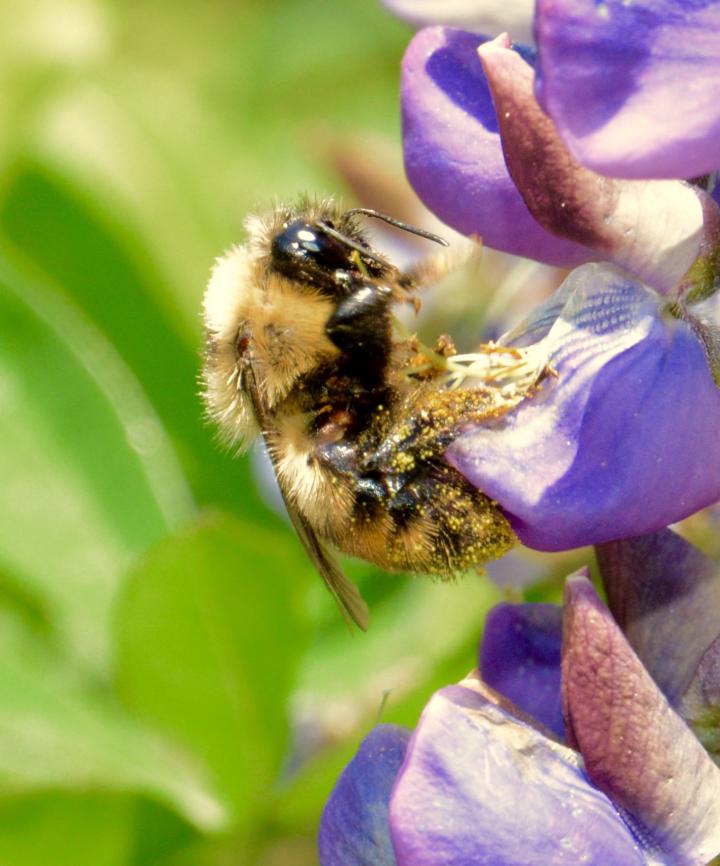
[(35, 829), (410, 633), (89, 477), (100, 267), (209, 636), (56, 733), (159, 833)]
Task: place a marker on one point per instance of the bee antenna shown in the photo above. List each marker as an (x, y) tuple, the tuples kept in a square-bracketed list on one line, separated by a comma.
[(413, 230), (349, 242)]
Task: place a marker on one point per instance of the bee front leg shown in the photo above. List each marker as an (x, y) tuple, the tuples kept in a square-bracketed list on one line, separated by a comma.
[(432, 269), (427, 424)]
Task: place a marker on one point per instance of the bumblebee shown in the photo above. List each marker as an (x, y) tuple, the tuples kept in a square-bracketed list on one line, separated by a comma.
[(301, 348)]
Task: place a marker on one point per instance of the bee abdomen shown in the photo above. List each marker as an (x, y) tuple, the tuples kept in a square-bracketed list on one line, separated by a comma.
[(436, 523)]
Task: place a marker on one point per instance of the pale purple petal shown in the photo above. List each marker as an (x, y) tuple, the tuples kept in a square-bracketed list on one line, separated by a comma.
[(489, 16), (665, 595), (622, 442), (633, 87), (479, 788), (453, 154), (655, 229), (635, 747), (700, 706), (709, 670), (714, 187), (354, 824), (520, 658)]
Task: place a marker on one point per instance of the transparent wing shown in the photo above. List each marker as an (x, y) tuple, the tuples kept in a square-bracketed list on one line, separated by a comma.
[(346, 594), (343, 590)]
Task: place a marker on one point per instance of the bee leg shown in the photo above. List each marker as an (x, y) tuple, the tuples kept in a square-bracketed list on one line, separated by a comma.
[(431, 270), (427, 427)]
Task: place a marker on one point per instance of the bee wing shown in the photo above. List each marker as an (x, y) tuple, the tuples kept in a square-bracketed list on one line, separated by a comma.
[(346, 594)]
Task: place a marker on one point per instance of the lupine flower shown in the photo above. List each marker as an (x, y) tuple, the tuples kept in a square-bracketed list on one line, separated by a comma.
[(623, 440), (484, 156), (581, 738), (485, 778), (620, 442), (631, 87)]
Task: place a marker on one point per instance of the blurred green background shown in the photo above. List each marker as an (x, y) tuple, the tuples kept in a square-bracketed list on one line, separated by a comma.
[(175, 686)]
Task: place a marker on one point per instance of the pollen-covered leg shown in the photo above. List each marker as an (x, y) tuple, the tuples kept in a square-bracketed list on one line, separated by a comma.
[(427, 423), (431, 270)]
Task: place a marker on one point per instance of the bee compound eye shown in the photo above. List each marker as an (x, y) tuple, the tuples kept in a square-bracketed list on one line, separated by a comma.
[(304, 243)]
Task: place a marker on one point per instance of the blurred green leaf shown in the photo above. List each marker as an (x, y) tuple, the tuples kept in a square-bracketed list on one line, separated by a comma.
[(65, 830), (93, 258), (56, 733), (96, 265), (159, 832), (89, 478), (24, 614), (209, 637), (410, 633)]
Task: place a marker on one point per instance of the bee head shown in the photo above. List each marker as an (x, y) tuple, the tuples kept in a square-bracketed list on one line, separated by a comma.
[(323, 255)]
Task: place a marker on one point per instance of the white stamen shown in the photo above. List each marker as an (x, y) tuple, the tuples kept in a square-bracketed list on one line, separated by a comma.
[(506, 367)]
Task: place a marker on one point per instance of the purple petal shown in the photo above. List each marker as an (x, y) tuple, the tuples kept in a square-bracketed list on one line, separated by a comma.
[(655, 229), (515, 16), (635, 747), (623, 442), (520, 658), (665, 596), (633, 87), (479, 788), (354, 824), (453, 154)]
